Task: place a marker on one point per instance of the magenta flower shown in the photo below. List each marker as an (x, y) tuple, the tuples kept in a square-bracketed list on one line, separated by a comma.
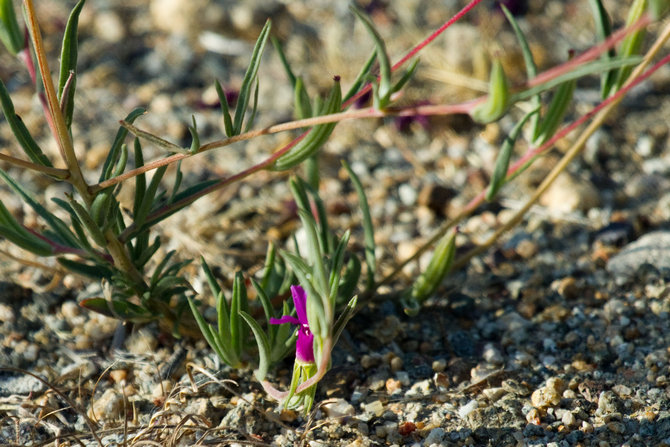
[(304, 351)]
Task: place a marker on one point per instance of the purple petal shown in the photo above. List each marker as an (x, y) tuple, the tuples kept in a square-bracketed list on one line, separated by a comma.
[(284, 319), (304, 351), (300, 303)]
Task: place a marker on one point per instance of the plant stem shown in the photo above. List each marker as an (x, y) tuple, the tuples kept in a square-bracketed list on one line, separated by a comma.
[(62, 134), (55, 172), (116, 249)]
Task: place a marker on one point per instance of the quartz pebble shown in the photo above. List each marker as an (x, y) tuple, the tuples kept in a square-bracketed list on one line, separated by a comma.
[(549, 395)]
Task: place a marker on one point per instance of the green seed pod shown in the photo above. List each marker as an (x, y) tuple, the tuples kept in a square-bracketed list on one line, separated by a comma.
[(498, 100)]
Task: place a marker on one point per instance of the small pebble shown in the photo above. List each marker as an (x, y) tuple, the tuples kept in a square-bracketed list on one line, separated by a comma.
[(435, 436), (338, 408), (396, 364), (468, 408), (374, 407), (439, 365), (549, 395)]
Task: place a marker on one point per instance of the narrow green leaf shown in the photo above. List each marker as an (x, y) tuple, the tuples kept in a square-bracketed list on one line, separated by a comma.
[(368, 228), (121, 163), (84, 217), (603, 30), (578, 72), (250, 78), (384, 87), (121, 310), (314, 254), (316, 137), (239, 295), (223, 316), (347, 313), (140, 180), (95, 271), (195, 138), (68, 62), (263, 346), (405, 77), (254, 109), (529, 62), (303, 109), (178, 177), (555, 112), (61, 230), (349, 280), (336, 265), (10, 33), (268, 265), (284, 61), (502, 162), (325, 237), (264, 299), (158, 271), (215, 341), (362, 76), (143, 256), (113, 155), (149, 198), (225, 110), (77, 227), (28, 144), (632, 44)]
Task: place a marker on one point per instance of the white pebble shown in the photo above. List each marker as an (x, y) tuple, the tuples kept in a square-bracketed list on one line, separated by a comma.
[(468, 408)]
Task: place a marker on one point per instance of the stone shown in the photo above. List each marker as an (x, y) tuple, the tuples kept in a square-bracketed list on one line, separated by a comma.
[(338, 408), (652, 248), (108, 407), (549, 395), (569, 194)]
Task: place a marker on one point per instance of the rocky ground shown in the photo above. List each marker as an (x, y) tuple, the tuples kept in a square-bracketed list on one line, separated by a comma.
[(557, 336)]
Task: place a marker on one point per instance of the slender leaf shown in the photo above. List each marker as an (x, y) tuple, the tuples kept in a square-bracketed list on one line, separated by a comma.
[(236, 329), (368, 228), (95, 271), (28, 144), (632, 44), (529, 62), (502, 162), (68, 62), (284, 61), (225, 110), (363, 74), (113, 155), (384, 90), (10, 33), (578, 72), (61, 230), (122, 310), (555, 112), (263, 346), (603, 30), (250, 78), (149, 198)]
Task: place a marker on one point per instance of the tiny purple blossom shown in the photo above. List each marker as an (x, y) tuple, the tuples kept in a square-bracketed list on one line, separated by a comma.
[(304, 351)]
